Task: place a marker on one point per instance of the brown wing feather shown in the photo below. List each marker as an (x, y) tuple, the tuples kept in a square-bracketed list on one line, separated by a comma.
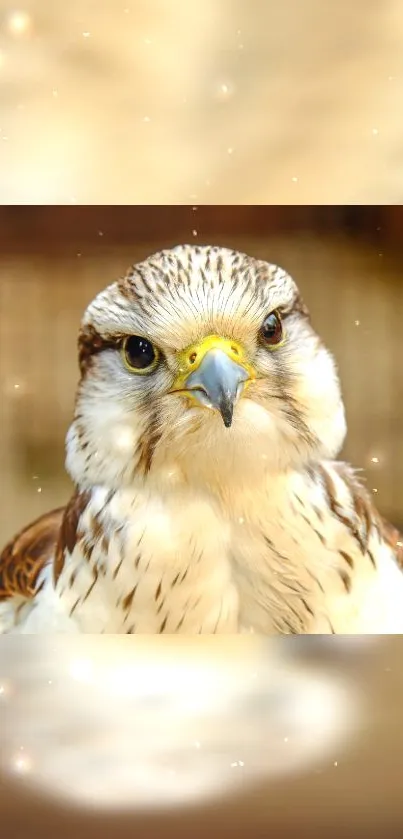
[(68, 529), (394, 539), (26, 555), (367, 515)]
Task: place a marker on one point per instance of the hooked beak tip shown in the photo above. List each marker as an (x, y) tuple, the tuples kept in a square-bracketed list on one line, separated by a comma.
[(227, 413), (218, 383)]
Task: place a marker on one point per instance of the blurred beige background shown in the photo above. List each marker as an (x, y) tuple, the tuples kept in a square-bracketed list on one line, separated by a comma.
[(141, 101), (347, 261)]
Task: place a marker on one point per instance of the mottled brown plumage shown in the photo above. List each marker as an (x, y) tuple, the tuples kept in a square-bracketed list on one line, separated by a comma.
[(67, 534), (25, 556), (394, 538), (366, 514), (90, 343)]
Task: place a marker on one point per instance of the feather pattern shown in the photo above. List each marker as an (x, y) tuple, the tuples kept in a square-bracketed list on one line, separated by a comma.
[(181, 525)]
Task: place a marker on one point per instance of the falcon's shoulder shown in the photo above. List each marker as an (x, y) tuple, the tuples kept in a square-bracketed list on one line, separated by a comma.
[(68, 532), (360, 515), (25, 556), (394, 539)]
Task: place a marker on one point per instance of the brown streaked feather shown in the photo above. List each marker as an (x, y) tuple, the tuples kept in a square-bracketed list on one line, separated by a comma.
[(90, 343), (392, 536), (67, 535), (148, 443), (24, 557), (369, 516), (366, 514)]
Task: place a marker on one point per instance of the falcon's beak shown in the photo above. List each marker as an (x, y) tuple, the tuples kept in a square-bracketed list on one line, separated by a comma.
[(214, 373)]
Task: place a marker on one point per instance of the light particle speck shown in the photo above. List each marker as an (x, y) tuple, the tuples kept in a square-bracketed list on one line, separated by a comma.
[(19, 23), (21, 764)]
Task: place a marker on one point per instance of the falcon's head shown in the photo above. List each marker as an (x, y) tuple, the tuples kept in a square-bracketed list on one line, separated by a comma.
[(203, 360)]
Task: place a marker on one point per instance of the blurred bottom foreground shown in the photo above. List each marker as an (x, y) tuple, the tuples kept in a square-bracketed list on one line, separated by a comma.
[(155, 732)]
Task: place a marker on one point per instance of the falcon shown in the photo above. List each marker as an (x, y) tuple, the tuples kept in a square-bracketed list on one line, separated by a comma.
[(207, 498)]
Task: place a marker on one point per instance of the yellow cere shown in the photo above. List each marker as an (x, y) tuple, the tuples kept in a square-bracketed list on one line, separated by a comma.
[(191, 358)]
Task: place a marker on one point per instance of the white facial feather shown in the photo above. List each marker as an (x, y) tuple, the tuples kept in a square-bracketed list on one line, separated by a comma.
[(292, 413)]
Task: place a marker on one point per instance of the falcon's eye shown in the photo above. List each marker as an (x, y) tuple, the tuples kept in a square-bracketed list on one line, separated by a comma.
[(271, 330), (139, 355)]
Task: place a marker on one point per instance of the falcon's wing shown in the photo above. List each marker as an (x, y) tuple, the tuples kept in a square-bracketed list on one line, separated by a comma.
[(25, 556), (394, 539)]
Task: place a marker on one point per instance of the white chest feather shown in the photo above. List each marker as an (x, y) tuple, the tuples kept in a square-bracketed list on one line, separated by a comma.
[(275, 560)]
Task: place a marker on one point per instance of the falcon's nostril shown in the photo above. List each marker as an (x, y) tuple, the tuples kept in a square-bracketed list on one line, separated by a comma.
[(192, 357)]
